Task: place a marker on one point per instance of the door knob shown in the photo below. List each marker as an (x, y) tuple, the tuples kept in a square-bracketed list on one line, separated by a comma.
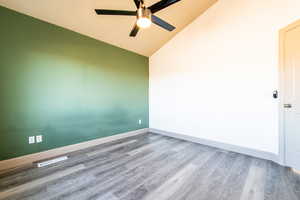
[(288, 105), (275, 94)]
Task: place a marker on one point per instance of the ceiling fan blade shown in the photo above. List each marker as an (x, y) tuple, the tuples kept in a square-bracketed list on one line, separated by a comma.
[(134, 31), (161, 5), (138, 2), (165, 25), (115, 12)]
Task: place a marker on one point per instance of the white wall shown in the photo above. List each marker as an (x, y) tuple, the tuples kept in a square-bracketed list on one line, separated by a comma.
[(214, 80)]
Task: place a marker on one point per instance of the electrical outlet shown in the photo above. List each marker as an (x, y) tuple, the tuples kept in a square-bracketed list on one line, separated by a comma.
[(31, 139), (39, 138), (140, 121)]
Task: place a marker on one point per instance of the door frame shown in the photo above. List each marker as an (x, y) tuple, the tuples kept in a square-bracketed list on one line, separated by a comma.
[(282, 134)]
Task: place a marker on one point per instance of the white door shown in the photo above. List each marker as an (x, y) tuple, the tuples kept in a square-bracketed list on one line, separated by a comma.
[(291, 71)]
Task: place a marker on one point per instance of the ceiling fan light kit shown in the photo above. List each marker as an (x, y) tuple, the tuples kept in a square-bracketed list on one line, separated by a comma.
[(143, 18), (145, 15)]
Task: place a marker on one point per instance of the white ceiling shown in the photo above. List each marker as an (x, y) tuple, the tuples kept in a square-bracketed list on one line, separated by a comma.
[(79, 16)]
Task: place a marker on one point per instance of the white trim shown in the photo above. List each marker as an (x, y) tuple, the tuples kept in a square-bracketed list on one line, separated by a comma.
[(31, 158), (282, 134), (281, 97), (229, 147)]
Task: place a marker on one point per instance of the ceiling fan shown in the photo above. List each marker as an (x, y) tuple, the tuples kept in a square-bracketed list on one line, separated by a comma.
[(145, 15)]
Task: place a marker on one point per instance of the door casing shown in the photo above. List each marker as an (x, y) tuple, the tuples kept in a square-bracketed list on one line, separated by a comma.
[(282, 134)]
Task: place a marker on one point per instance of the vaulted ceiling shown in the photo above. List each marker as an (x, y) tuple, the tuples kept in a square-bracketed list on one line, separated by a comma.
[(79, 16)]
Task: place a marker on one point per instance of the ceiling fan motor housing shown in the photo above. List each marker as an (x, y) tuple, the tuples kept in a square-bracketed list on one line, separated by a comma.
[(144, 13)]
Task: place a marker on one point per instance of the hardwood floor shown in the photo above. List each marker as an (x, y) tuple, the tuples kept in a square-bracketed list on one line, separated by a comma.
[(153, 167)]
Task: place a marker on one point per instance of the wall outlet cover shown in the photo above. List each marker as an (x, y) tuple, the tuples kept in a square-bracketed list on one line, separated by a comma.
[(140, 121), (31, 140), (39, 138)]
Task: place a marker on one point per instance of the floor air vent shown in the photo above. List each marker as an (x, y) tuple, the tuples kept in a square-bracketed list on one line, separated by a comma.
[(52, 161)]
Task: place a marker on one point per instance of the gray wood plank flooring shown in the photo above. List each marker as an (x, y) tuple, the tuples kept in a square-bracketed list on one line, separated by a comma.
[(152, 167)]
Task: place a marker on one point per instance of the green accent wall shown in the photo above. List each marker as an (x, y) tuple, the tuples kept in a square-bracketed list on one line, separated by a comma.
[(65, 86)]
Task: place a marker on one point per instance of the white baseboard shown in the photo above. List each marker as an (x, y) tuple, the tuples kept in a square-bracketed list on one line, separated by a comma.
[(229, 147), (31, 158)]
